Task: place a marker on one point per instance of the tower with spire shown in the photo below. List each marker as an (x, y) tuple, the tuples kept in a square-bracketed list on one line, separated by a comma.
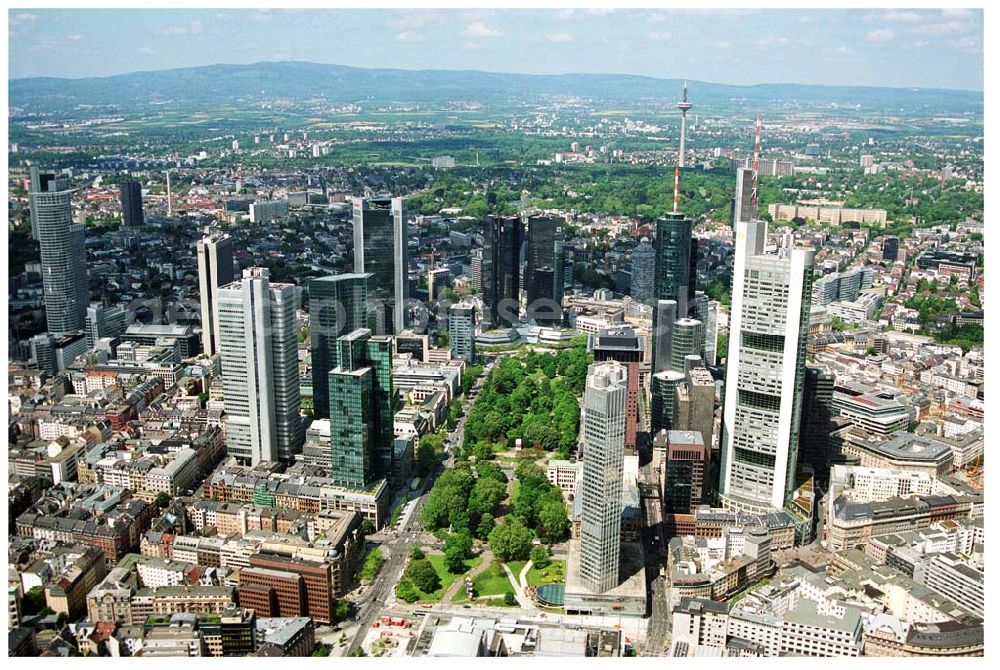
[(684, 106)]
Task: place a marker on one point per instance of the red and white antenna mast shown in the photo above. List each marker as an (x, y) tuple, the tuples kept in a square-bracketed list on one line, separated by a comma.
[(677, 186), (756, 165)]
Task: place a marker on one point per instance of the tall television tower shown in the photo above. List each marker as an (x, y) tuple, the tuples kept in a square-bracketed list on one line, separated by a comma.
[(684, 106)]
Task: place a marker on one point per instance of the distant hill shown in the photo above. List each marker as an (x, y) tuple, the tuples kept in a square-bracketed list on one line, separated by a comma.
[(212, 84)]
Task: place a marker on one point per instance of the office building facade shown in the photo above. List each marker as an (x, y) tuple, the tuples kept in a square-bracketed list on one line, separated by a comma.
[(131, 201), (260, 373), (502, 240), (765, 371), (601, 487), (643, 271), (624, 346), (338, 304), (380, 247), (362, 407), (461, 331), (63, 254), (543, 270), (215, 269)]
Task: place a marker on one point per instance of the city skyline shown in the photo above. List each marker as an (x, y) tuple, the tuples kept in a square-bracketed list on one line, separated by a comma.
[(934, 48)]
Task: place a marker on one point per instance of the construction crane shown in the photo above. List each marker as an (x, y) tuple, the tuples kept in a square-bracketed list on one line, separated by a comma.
[(432, 254)]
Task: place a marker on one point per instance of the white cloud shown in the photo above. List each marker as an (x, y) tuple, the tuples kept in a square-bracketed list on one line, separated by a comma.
[(76, 37), (967, 43), (193, 28), (565, 14), (480, 29), (841, 51), (772, 41), (657, 36), (901, 16), (409, 22), (146, 51), (724, 44), (560, 37), (946, 28), (598, 12), (23, 18), (881, 35), (963, 13), (409, 36)]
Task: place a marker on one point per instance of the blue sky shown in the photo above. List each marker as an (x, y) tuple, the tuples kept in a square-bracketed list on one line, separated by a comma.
[(895, 47)]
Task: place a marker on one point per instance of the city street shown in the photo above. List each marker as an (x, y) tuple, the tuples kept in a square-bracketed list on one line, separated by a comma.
[(396, 547)]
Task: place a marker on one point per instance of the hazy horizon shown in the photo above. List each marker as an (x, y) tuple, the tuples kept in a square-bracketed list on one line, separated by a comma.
[(841, 47)]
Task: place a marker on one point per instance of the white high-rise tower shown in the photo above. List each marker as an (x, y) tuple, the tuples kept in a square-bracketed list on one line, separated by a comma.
[(260, 373), (601, 488), (765, 371), (215, 269)]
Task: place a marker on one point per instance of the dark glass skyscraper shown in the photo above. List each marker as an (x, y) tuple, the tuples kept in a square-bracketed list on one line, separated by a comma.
[(890, 248), (672, 279), (502, 238), (362, 405), (380, 247), (543, 269), (131, 199), (337, 306)]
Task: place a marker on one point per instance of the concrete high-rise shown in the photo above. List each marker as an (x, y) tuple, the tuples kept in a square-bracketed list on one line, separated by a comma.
[(684, 472), (63, 254), (260, 372), (461, 331), (707, 311), (544, 269), (105, 322), (601, 487), (362, 406), (743, 204), (215, 269), (624, 346), (381, 248), (643, 272), (131, 201), (338, 305), (502, 239), (765, 371)]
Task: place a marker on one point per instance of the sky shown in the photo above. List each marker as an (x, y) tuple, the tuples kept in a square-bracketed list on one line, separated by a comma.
[(893, 47)]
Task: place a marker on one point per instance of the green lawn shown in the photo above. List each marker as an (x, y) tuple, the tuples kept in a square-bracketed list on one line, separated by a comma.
[(437, 560), (516, 567), (373, 561), (554, 573), (492, 581)]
